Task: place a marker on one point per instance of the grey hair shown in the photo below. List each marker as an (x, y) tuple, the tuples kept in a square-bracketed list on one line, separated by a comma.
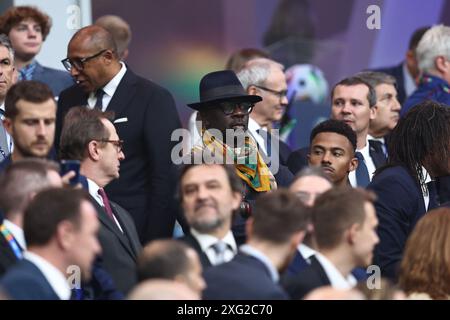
[(4, 41), (435, 42), (256, 72), (375, 78)]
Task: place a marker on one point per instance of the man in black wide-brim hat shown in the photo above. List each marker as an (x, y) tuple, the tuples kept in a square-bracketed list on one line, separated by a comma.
[(224, 109)]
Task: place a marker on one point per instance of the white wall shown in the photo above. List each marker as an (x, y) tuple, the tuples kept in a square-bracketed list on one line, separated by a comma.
[(67, 17)]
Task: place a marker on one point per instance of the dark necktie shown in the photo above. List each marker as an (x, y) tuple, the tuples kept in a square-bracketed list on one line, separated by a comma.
[(106, 204), (220, 248), (362, 174), (433, 195), (376, 153), (99, 96), (267, 137)]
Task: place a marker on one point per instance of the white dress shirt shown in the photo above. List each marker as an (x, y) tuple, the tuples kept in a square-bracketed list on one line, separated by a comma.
[(425, 192), (109, 89), (55, 277), (253, 127), (17, 233), (367, 160), (337, 280), (249, 250), (93, 191), (306, 252), (206, 242)]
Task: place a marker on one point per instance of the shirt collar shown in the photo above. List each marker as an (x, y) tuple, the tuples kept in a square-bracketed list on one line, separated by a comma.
[(17, 233), (112, 85), (207, 240), (365, 151), (249, 250), (306, 251), (336, 278), (55, 278), (93, 191)]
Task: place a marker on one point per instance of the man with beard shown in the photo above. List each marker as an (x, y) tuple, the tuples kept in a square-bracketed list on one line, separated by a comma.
[(209, 195), (30, 112), (274, 231)]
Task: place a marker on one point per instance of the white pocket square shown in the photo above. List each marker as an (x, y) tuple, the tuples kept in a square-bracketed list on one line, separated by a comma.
[(121, 120)]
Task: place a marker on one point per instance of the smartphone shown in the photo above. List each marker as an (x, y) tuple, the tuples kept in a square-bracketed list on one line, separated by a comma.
[(71, 165)]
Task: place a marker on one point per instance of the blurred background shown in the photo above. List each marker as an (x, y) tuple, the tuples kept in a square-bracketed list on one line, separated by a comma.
[(175, 42)]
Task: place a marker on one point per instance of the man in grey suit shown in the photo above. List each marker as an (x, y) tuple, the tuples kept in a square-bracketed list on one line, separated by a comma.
[(90, 137), (6, 81)]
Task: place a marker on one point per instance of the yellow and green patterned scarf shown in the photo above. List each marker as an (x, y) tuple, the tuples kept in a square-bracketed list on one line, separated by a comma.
[(249, 164)]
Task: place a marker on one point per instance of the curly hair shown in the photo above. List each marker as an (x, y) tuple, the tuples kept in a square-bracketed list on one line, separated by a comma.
[(15, 15), (425, 267)]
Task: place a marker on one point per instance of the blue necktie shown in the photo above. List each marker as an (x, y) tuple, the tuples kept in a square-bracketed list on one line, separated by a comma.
[(362, 174)]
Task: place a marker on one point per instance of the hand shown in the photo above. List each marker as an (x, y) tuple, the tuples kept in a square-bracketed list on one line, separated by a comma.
[(66, 180)]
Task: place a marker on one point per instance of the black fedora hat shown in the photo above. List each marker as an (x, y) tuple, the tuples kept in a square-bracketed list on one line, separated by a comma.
[(221, 86)]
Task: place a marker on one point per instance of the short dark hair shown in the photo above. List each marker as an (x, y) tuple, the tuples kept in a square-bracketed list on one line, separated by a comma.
[(335, 126), (311, 172), (81, 126), (335, 211), (278, 215), (28, 90), (353, 81), (22, 178), (236, 183), (48, 209), (163, 259), (416, 37), (15, 15)]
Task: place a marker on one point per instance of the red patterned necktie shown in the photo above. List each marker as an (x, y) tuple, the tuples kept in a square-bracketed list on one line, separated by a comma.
[(106, 203)]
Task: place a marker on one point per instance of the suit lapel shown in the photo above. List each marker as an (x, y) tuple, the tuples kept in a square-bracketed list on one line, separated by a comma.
[(315, 264), (125, 227), (124, 93), (110, 225)]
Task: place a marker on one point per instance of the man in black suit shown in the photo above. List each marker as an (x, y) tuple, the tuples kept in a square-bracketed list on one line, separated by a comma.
[(210, 194), (18, 184), (406, 188), (407, 72), (60, 228), (224, 110), (90, 137), (145, 118), (275, 229), (344, 223)]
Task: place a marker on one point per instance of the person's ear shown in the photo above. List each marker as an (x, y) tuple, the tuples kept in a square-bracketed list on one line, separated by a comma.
[(353, 164), (373, 112), (352, 233), (7, 124), (441, 64), (93, 150), (252, 90)]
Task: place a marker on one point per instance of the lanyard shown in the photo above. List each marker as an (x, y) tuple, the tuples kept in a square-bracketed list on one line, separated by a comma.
[(11, 241)]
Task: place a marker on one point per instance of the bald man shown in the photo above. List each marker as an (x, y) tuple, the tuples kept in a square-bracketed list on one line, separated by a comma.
[(145, 117)]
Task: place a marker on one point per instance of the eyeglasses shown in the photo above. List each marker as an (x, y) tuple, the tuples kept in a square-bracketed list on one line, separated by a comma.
[(78, 63), (230, 107), (280, 94), (117, 143)]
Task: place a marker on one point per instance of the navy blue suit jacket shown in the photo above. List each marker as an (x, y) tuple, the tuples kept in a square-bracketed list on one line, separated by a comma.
[(298, 160), (57, 80), (147, 177), (243, 278), (399, 206), (25, 281)]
